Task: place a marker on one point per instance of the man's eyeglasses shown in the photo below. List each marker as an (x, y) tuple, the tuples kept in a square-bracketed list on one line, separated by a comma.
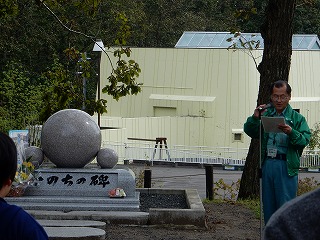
[(282, 98)]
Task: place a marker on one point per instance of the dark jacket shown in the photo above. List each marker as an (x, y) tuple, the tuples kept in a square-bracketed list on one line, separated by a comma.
[(17, 224), (297, 219)]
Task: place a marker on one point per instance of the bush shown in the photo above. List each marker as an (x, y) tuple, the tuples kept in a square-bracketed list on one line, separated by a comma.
[(306, 185)]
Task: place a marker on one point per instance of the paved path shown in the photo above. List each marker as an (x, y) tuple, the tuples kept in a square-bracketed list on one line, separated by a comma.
[(194, 177)]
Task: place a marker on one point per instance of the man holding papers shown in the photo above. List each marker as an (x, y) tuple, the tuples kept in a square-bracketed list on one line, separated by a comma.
[(285, 134)]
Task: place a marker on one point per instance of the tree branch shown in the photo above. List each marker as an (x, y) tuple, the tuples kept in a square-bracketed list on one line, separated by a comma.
[(76, 32)]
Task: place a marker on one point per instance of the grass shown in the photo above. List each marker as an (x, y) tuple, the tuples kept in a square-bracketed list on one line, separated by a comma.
[(228, 193), (252, 204)]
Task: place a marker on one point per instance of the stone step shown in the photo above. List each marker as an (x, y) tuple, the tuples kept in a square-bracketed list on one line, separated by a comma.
[(76, 200), (112, 217), (82, 233), (74, 229), (67, 207), (65, 203), (72, 223)]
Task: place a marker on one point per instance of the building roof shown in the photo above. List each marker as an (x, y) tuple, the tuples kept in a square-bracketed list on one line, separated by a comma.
[(227, 40)]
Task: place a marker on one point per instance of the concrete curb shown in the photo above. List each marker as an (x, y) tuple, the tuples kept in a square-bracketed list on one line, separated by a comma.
[(194, 216), (92, 224)]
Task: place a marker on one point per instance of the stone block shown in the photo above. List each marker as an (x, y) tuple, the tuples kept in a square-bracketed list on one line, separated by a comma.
[(81, 182)]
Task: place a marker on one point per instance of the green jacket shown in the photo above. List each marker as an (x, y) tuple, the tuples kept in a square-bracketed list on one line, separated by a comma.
[(298, 139)]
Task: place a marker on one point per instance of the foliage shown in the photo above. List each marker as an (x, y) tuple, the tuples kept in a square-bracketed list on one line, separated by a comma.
[(139, 173), (306, 17), (122, 79), (59, 90), (140, 179), (306, 185), (225, 191), (124, 32), (152, 24), (125, 72), (239, 42), (20, 98), (8, 8), (5, 121), (229, 192), (61, 87), (315, 137), (250, 44), (40, 40), (253, 204), (65, 88)]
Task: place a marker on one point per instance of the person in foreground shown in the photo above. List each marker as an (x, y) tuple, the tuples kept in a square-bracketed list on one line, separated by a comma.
[(297, 219), (280, 151), (15, 223)]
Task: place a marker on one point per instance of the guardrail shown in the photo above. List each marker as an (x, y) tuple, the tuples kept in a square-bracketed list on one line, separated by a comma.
[(195, 154)]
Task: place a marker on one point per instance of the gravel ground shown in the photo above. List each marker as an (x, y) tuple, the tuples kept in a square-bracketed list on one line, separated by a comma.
[(162, 201), (224, 221)]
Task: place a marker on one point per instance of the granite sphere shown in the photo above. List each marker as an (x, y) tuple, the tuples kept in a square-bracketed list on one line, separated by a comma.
[(107, 158), (36, 155), (70, 138)]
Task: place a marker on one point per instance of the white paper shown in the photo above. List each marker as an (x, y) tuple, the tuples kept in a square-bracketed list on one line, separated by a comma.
[(270, 124)]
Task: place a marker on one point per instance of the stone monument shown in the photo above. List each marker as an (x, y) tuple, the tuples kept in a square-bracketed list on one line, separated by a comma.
[(71, 139)]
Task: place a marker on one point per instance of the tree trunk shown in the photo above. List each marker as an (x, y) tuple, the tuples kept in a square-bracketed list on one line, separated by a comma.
[(275, 65)]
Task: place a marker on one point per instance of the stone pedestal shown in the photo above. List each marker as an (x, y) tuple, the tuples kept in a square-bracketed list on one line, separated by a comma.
[(85, 189)]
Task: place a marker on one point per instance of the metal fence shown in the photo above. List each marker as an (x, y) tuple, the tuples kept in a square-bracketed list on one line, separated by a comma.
[(310, 159), (194, 154)]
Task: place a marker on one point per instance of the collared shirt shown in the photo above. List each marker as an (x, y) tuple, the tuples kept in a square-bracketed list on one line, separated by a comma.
[(279, 141)]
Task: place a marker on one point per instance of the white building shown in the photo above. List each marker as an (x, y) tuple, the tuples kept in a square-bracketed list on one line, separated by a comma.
[(200, 93)]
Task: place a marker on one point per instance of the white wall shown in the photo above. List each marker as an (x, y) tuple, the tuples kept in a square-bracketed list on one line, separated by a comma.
[(207, 93)]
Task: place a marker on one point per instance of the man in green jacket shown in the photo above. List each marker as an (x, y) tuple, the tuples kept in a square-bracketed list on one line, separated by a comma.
[(280, 151)]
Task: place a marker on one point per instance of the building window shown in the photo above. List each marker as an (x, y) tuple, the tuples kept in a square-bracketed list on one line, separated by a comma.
[(164, 111), (237, 135)]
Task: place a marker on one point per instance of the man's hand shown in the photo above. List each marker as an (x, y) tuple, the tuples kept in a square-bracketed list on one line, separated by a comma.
[(259, 110), (285, 128)]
